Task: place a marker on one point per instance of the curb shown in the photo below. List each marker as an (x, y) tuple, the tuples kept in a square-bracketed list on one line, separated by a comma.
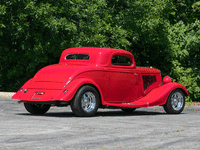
[(6, 94)]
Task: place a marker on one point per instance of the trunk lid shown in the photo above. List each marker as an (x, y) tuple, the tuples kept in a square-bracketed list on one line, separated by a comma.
[(53, 77)]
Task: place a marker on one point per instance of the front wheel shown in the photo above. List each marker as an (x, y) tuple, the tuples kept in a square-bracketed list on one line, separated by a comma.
[(37, 109), (175, 102), (86, 102)]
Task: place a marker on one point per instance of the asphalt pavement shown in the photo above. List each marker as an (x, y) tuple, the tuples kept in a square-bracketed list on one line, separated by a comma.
[(146, 128)]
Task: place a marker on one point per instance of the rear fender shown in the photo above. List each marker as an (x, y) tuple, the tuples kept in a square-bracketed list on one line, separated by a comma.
[(21, 90), (71, 88), (159, 95)]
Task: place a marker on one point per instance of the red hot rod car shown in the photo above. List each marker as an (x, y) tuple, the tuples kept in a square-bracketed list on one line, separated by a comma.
[(91, 78)]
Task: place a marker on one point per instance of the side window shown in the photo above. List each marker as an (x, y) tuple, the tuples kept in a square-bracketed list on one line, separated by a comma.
[(121, 60)]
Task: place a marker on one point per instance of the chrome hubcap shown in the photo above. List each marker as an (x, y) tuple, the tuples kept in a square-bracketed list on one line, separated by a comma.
[(88, 101), (177, 101)]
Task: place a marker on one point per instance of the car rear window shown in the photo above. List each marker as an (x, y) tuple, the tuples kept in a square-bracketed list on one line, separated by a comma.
[(77, 57), (121, 60)]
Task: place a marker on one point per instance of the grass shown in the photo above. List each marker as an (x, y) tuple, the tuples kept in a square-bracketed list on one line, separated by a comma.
[(187, 104)]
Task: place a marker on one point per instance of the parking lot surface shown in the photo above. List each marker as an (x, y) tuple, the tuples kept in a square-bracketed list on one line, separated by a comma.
[(146, 128)]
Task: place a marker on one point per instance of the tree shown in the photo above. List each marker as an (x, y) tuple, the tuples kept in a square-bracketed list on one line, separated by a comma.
[(162, 33), (33, 34)]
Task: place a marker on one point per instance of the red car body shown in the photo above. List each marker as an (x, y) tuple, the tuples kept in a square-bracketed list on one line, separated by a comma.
[(119, 84)]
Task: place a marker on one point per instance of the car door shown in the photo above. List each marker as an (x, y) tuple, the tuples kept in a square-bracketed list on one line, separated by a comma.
[(123, 81)]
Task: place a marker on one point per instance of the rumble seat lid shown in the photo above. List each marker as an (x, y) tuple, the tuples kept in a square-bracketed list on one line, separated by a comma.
[(55, 73)]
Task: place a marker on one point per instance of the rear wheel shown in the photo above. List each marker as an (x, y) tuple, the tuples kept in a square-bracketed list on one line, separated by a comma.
[(175, 102), (37, 109), (85, 102), (128, 110)]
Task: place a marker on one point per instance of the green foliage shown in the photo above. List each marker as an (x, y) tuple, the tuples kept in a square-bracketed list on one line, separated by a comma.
[(184, 10), (32, 36), (148, 34), (185, 43), (164, 34)]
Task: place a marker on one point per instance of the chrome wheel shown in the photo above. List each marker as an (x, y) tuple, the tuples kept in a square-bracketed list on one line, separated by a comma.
[(177, 101), (88, 102)]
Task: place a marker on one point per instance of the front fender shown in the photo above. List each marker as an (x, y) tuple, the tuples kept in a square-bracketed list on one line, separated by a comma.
[(71, 88), (159, 95)]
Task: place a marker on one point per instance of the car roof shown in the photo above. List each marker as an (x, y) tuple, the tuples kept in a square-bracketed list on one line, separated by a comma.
[(91, 50), (98, 55)]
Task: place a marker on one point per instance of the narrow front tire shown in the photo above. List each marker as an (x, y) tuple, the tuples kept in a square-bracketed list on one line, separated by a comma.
[(175, 102)]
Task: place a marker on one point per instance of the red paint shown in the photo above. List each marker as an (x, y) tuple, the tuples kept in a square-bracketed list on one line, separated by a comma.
[(166, 80), (120, 86)]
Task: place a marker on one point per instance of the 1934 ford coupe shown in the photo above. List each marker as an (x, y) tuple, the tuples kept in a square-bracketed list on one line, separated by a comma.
[(91, 78)]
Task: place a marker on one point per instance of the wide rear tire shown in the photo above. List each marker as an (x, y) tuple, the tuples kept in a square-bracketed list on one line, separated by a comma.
[(86, 102)]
